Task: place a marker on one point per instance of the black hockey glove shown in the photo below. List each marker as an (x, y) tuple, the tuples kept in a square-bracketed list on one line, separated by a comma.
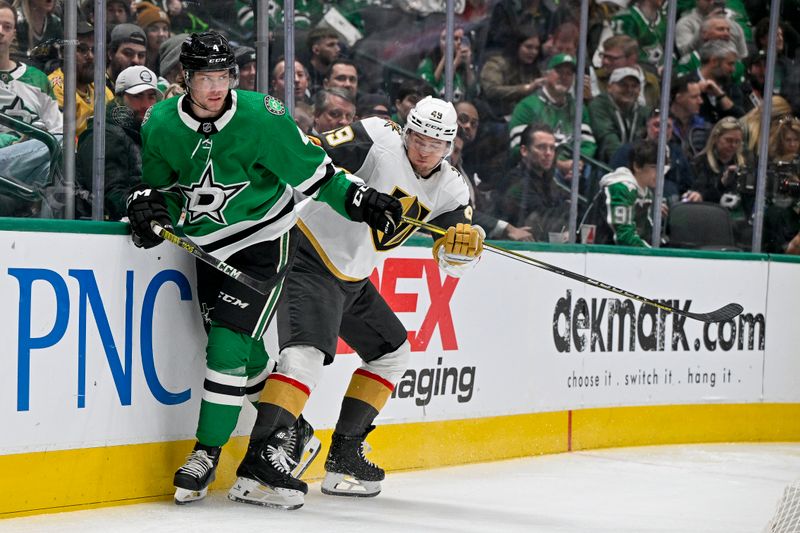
[(147, 205), (380, 211)]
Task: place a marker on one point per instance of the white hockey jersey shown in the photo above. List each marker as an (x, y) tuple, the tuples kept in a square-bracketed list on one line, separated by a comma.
[(372, 149), (26, 94)]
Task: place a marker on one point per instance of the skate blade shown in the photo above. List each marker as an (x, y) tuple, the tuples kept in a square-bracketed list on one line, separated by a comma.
[(343, 485), (184, 496), (310, 452), (250, 491)]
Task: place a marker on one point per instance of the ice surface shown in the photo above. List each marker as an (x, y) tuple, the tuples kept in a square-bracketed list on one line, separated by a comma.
[(716, 488)]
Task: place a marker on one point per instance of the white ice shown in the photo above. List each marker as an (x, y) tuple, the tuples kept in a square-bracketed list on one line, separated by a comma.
[(716, 488)]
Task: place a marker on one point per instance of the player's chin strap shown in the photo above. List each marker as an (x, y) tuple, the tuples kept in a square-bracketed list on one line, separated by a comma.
[(722, 314), (193, 101)]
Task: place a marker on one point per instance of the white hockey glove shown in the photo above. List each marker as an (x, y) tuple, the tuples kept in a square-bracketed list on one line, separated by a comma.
[(459, 250)]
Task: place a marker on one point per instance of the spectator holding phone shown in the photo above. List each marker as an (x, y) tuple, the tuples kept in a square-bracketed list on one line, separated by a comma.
[(431, 68)]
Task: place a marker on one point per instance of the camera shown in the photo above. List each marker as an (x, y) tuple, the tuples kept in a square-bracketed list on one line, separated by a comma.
[(787, 175), (745, 180)]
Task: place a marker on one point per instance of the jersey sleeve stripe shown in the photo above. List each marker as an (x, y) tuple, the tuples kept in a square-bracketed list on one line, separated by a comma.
[(231, 239), (320, 177)]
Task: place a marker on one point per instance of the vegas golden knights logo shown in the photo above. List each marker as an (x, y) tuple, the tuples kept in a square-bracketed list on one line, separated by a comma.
[(412, 208)]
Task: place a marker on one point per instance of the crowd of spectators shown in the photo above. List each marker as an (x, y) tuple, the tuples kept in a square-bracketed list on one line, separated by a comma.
[(515, 86)]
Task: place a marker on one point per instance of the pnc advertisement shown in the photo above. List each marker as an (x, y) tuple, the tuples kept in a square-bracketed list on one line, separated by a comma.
[(105, 346)]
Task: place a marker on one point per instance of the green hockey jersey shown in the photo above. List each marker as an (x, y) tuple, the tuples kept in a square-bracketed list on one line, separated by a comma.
[(232, 180), (540, 107), (628, 207), (649, 35)]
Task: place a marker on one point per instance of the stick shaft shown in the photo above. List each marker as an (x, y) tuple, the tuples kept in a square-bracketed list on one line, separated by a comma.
[(715, 316), (207, 258)]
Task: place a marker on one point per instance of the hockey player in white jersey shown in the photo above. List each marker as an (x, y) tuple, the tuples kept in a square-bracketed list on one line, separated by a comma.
[(328, 294)]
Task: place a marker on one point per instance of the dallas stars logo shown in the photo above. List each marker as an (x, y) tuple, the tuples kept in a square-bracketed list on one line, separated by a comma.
[(18, 110), (207, 198), (274, 105)]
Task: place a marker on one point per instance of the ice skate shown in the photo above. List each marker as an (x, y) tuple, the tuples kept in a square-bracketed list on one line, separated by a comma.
[(270, 471), (193, 478), (348, 472)]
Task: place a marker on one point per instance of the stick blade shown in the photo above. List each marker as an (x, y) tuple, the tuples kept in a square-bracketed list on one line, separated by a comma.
[(722, 314)]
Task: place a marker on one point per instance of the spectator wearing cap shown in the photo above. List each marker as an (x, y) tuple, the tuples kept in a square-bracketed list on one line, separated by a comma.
[(127, 47), (373, 105), (136, 92), (246, 59), (301, 93), (137, 86), (168, 62), (37, 22), (84, 78), (553, 105), (156, 25), (623, 51), (617, 116)]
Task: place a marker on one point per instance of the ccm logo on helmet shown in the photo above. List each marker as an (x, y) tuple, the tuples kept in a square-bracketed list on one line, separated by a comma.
[(218, 60)]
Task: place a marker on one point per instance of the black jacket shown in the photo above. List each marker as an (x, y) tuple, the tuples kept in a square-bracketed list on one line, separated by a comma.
[(123, 162), (536, 200)]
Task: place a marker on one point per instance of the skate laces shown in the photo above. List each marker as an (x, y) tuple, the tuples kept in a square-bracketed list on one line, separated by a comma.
[(197, 463), (363, 449), (280, 458)]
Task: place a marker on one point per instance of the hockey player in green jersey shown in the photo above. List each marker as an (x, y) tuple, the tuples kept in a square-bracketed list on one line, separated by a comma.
[(227, 163), (628, 194), (329, 295)]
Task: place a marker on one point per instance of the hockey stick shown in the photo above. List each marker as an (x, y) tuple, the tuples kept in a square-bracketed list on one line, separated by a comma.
[(722, 314), (261, 287)]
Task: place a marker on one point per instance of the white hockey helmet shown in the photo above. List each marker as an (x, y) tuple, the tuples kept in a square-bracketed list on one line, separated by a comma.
[(433, 117)]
